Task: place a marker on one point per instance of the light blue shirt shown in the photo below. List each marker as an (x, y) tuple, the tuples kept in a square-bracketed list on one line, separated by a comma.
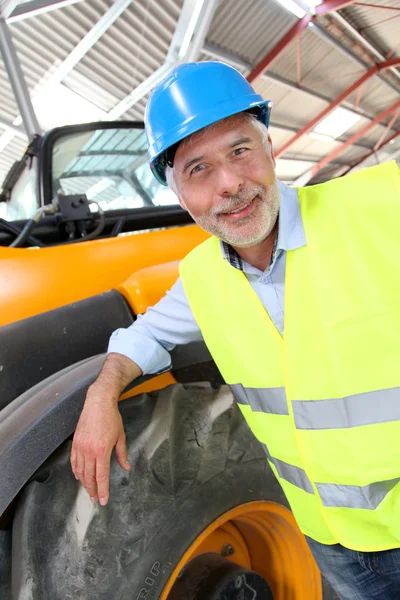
[(170, 322)]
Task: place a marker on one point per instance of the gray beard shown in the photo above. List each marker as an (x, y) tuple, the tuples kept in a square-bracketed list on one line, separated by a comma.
[(258, 226)]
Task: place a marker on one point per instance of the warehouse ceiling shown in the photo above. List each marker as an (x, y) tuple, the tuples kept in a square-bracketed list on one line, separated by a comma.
[(332, 72)]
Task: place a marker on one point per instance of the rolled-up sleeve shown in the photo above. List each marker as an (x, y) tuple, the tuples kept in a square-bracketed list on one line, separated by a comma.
[(153, 335)]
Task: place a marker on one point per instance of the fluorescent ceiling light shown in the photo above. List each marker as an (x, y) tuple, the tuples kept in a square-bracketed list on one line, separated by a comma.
[(292, 7), (339, 121), (296, 8), (58, 105)]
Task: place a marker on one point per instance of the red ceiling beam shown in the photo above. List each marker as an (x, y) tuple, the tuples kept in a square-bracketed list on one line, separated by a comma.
[(321, 9), (393, 62), (273, 54), (388, 128), (361, 160), (353, 139)]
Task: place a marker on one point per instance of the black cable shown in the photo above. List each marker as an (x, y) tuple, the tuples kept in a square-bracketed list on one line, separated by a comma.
[(118, 227), (24, 235), (15, 231)]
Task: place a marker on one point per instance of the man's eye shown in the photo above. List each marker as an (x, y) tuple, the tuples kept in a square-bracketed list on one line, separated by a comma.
[(196, 169), (239, 151)]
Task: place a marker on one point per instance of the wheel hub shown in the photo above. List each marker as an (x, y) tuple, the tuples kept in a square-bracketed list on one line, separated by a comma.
[(212, 577)]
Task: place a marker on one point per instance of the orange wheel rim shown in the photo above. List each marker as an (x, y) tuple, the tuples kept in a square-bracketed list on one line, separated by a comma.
[(266, 539)]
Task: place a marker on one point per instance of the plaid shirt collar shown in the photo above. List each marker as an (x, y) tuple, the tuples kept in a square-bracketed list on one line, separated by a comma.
[(290, 229)]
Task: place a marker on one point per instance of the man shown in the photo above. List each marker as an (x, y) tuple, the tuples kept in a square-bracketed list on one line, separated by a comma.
[(297, 299)]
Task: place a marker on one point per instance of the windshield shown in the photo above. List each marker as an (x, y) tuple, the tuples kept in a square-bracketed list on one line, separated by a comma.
[(110, 166)]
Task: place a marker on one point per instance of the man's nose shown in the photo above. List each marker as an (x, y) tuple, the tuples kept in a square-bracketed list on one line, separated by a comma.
[(229, 181)]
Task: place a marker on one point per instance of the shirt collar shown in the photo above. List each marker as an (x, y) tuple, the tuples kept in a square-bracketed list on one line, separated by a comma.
[(291, 235)]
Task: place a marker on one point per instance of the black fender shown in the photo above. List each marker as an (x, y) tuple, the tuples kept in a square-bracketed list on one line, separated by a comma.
[(36, 423)]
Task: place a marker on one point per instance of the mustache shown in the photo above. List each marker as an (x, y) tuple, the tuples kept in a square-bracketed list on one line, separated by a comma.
[(243, 197)]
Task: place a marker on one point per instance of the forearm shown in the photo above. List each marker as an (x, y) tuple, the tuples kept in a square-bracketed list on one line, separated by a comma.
[(116, 373), (148, 341)]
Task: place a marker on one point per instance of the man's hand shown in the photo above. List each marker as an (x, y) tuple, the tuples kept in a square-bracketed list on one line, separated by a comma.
[(100, 428)]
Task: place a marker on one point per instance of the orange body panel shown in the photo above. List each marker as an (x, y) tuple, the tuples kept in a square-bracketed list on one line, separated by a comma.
[(156, 383), (147, 286), (33, 281)]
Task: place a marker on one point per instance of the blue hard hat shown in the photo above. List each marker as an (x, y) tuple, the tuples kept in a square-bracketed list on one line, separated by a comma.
[(192, 96)]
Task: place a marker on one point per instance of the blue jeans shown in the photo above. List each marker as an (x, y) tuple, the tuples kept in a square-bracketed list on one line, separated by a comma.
[(359, 575)]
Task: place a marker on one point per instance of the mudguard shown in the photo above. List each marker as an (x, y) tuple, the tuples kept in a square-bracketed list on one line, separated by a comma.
[(34, 425)]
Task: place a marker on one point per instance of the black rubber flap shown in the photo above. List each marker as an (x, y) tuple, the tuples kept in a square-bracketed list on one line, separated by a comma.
[(33, 349), (40, 419)]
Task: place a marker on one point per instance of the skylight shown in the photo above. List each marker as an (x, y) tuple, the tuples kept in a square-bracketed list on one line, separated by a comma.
[(58, 105), (292, 7), (296, 8), (337, 122)]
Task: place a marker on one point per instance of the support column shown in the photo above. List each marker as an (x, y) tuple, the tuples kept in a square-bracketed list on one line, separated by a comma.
[(17, 81)]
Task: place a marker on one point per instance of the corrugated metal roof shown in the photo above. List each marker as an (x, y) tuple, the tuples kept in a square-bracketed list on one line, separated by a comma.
[(290, 107), (289, 170), (323, 68), (136, 44), (379, 25), (376, 97), (132, 49), (251, 29)]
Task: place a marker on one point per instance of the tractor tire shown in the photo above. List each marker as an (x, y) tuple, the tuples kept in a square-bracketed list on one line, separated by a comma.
[(193, 461)]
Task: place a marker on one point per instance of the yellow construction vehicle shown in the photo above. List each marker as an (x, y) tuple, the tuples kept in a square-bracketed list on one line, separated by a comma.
[(89, 241)]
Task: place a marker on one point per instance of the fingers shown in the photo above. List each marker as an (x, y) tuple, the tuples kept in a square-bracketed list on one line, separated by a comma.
[(91, 453), (121, 453), (73, 460), (103, 478), (79, 470), (89, 479)]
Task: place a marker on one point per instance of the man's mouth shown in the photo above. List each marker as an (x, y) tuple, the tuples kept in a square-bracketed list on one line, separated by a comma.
[(242, 210)]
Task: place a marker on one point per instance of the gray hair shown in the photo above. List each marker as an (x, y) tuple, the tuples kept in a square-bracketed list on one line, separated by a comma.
[(251, 118)]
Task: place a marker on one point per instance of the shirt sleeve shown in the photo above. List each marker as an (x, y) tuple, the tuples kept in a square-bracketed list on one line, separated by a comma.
[(153, 335)]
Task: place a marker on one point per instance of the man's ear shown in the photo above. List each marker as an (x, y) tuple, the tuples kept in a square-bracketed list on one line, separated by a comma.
[(272, 150)]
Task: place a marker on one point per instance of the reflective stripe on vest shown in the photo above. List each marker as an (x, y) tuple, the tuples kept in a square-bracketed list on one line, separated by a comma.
[(367, 497), (270, 400), (381, 406), (290, 473)]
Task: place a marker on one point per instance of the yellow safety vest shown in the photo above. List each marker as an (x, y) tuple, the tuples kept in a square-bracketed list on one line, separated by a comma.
[(324, 400)]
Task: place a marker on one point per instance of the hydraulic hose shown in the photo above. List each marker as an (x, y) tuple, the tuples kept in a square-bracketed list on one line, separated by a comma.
[(51, 209), (24, 235), (15, 231)]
